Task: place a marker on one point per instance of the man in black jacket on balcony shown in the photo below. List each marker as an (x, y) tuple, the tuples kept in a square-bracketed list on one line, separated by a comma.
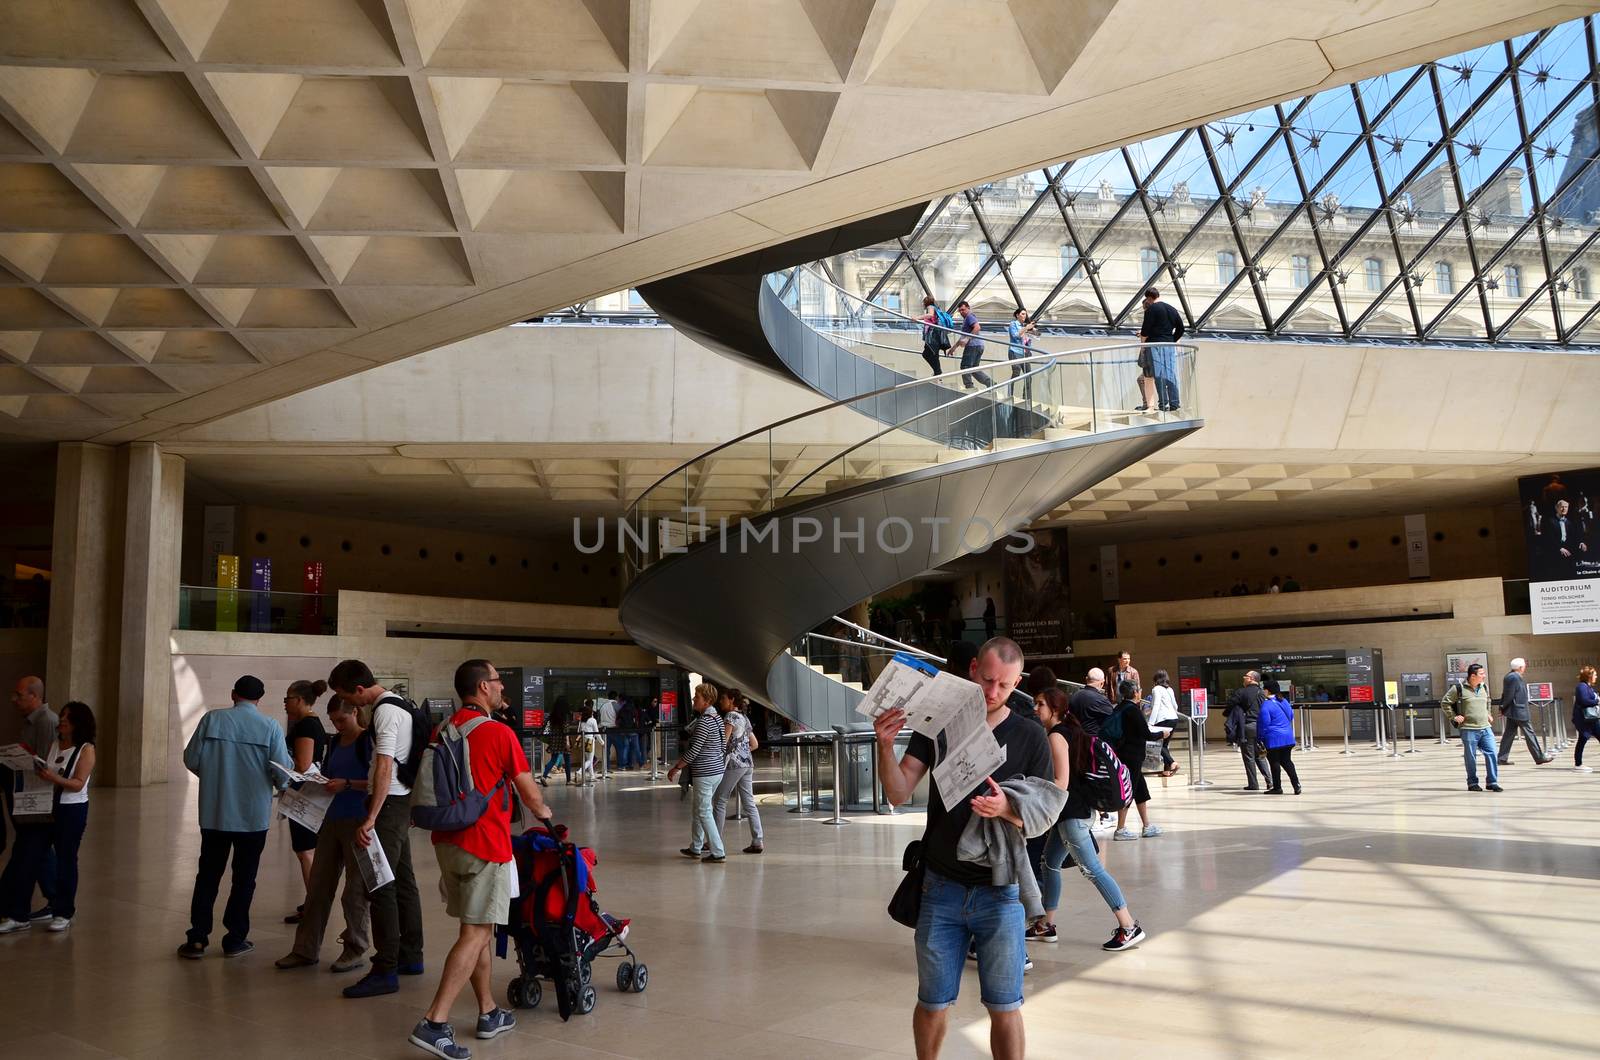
[(1162, 327)]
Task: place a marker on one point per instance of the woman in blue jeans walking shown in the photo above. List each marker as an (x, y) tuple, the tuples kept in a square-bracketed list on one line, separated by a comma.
[(1069, 748)]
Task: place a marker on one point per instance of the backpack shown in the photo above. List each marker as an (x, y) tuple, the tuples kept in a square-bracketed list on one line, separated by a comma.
[(406, 772), (937, 335), (1107, 784), (445, 798), (1111, 728)]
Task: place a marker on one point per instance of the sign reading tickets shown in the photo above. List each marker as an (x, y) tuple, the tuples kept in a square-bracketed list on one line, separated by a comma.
[(1563, 540), (227, 594)]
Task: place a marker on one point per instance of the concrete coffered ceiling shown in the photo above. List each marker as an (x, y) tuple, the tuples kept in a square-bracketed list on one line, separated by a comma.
[(210, 204)]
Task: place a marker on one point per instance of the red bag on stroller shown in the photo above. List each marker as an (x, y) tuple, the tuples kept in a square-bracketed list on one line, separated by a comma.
[(544, 897)]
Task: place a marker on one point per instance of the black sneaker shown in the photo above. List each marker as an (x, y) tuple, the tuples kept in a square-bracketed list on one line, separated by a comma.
[(715, 858), (690, 852), (1124, 939), (1041, 932), (191, 951), (1474, 787), (46, 914), (1496, 787), (240, 950)]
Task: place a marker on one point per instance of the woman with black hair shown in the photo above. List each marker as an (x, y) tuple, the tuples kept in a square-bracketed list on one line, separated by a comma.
[(1071, 749), (1276, 727), (307, 741), (1164, 718), (70, 762), (1128, 733)]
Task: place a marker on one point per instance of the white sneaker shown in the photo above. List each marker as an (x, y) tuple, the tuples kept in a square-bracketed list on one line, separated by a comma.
[(58, 923), (9, 926), (1583, 769)]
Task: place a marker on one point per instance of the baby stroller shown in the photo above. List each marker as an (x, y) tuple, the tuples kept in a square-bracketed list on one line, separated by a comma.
[(557, 928)]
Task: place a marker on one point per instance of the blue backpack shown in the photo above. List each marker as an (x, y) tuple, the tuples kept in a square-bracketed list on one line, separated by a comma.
[(445, 799), (936, 336)]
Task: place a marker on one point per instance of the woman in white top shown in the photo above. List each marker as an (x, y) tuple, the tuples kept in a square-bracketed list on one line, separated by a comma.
[(589, 739), (739, 739), (71, 760), (1164, 718)]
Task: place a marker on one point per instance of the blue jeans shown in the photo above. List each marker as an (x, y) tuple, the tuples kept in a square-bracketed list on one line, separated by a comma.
[(1163, 363), (632, 753), (953, 916), (703, 833), (1072, 834), (1474, 740), (971, 358)]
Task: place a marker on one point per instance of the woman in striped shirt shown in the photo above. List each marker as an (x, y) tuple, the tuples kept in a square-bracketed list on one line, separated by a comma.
[(706, 764)]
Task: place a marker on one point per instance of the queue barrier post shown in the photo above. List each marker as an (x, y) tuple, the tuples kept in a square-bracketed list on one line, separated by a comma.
[(799, 781), (1197, 751), (1439, 723), (1344, 718), (838, 779), (1560, 723), (1411, 730)]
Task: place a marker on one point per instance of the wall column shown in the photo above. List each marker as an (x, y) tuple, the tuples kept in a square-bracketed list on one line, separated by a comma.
[(85, 547), (152, 538), (114, 584)]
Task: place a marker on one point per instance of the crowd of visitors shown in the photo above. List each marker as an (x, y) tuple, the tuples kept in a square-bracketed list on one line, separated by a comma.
[(990, 861)]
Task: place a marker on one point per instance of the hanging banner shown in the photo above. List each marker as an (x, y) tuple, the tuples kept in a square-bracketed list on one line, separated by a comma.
[(227, 594), (1110, 574), (1558, 524), (1416, 546), (1037, 604), (311, 602), (260, 595)]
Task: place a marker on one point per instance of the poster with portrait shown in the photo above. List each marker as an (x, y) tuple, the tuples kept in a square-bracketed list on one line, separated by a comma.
[(1037, 601), (1557, 511)]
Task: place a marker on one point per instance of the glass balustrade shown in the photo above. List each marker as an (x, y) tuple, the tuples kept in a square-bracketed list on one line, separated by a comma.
[(253, 611), (1002, 403)]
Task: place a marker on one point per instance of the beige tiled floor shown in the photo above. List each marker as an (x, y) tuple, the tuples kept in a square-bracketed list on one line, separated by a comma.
[(1386, 912)]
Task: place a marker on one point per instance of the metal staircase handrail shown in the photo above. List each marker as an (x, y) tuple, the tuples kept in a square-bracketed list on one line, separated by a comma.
[(961, 372)]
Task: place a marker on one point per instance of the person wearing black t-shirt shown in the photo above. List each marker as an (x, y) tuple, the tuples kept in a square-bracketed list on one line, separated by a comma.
[(306, 741), (1161, 328), (960, 907), (1072, 754)]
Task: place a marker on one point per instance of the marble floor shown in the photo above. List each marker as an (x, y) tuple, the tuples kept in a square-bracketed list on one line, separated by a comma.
[(1386, 912)]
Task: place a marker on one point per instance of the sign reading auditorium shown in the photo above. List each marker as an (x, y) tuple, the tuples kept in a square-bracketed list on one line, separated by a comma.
[(1558, 522)]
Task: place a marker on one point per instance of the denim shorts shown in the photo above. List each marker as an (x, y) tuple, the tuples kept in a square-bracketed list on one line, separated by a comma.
[(954, 915)]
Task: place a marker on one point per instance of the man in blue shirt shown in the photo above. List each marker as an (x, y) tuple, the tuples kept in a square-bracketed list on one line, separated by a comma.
[(233, 753)]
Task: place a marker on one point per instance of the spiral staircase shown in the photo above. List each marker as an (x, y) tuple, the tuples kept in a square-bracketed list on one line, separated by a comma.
[(891, 477)]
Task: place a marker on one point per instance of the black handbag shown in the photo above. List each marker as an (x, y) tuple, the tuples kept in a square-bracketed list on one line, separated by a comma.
[(906, 905)]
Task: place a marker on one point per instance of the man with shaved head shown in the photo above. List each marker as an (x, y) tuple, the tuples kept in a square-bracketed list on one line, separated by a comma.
[(961, 906), (38, 732), (1089, 703)]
